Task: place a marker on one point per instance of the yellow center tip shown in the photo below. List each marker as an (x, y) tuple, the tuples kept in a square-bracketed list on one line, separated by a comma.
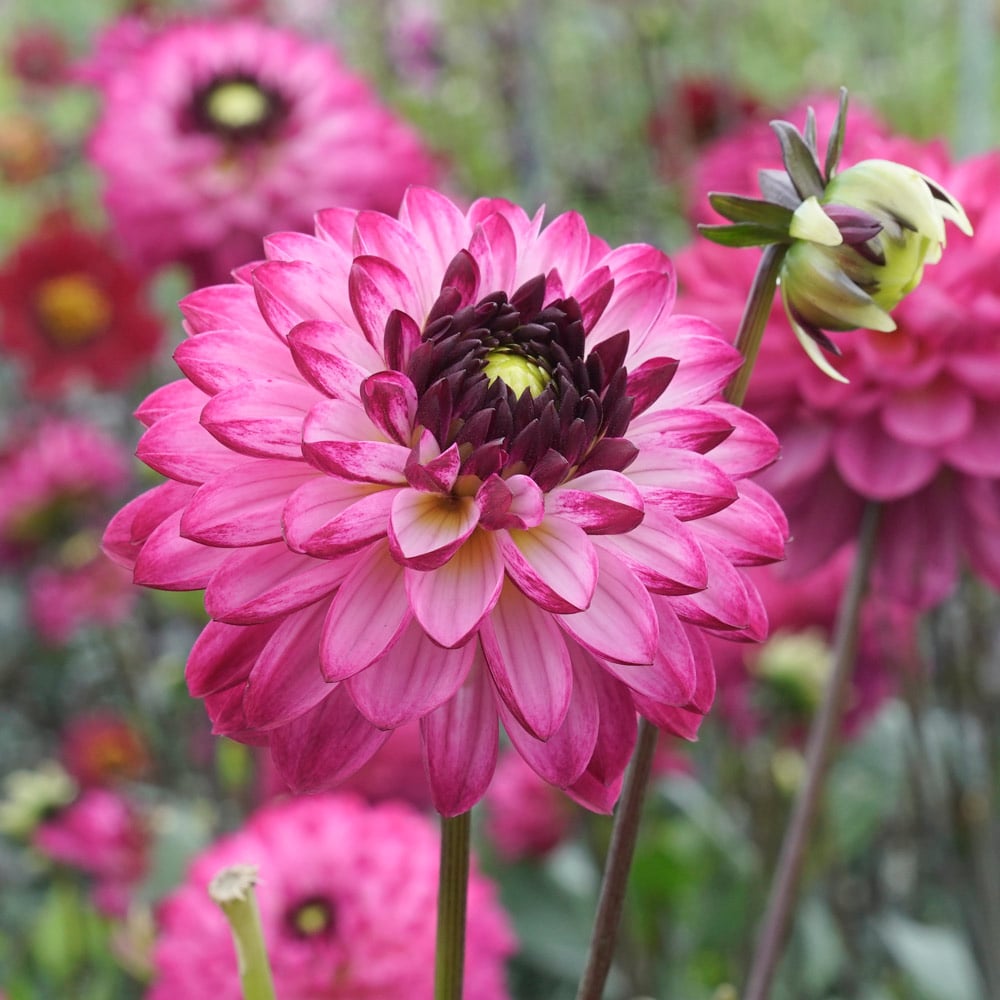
[(516, 372), (238, 104)]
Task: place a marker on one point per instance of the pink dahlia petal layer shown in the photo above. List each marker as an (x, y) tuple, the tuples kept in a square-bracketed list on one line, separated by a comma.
[(977, 452), (226, 358), (318, 503), (169, 399), (377, 288), (224, 655), (334, 357), (932, 415), (426, 529), (291, 292), (170, 562), (362, 521), (707, 362), (601, 502), (178, 447), (340, 438), (683, 483), (136, 521)]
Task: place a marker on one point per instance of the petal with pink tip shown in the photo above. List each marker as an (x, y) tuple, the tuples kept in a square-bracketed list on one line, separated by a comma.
[(367, 615), (263, 417), (554, 564), (751, 447), (529, 662), (180, 448), (244, 506), (412, 679), (635, 306), (460, 742), (599, 502), (682, 428), (683, 484), (378, 235), (221, 307), (662, 552), (224, 655), (135, 522), (320, 749), (707, 361), (723, 604), (564, 244), (620, 623), (977, 452), (878, 466), (316, 503), (226, 358), (302, 246), (170, 562), (357, 525), (494, 248), (339, 437), (286, 681), (439, 227), (931, 415), (515, 502), (289, 292), (451, 601), (750, 531), (390, 401), (334, 357), (377, 288), (426, 529), (266, 581), (168, 400)]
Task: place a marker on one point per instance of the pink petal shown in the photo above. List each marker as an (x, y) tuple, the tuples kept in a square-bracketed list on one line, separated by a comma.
[(426, 529), (267, 581), (600, 502), (451, 601), (221, 307), (751, 447), (412, 679), (880, 467), (529, 662), (439, 227), (390, 401), (593, 294), (929, 416), (169, 562), (553, 564), (377, 288), (620, 624), (224, 655), (379, 235), (662, 552), (460, 742), (136, 521), (367, 615), (431, 470), (707, 361), (635, 306), (977, 452), (317, 503), (318, 750), (340, 438), (723, 604), (679, 428), (647, 382), (748, 532), (515, 502), (180, 448), (218, 361), (168, 400), (683, 484), (244, 506), (263, 417), (364, 521), (286, 681), (334, 357), (494, 247), (563, 244), (302, 246), (290, 292)]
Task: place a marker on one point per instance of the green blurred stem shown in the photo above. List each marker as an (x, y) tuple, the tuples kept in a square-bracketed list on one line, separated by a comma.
[(625, 831), (616, 868), (453, 885), (754, 319), (232, 888), (822, 738)]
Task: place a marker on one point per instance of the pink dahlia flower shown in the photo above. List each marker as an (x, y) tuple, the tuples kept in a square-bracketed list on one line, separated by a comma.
[(347, 894), (72, 311), (456, 468), (916, 428), (250, 127), (102, 835)]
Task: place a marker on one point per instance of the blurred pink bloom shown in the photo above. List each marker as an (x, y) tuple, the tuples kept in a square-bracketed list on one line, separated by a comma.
[(525, 816), (103, 748), (347, 894), (774, 687), (102, 835), (454, 468), (64, 599), (53, 479), (114, 47), (917, 427), (251, 128)]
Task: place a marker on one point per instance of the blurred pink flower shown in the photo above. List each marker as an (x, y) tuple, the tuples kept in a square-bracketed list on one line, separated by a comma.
[(103, 748), (525, 816), (71, 310), (38, 56), (251, 128), (54, 478), (452, 468), (102, 835), (347, 894), (917, 427)]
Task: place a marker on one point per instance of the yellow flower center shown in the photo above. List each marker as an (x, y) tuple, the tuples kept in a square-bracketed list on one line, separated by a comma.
[(72, 309), (517, 372), (238, 104), (312, 918)]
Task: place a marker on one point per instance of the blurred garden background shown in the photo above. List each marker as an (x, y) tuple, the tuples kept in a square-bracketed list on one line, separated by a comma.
[(112, 781)]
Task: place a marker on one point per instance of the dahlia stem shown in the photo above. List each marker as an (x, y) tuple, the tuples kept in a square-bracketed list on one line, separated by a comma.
[(232, 889), (822, 737), (754, 319), (616, 868), (453, 886)]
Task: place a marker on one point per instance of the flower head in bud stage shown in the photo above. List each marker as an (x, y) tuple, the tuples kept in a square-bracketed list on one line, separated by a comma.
[(459, 468), (857, 240), (917, 428), (251, 127), (345, 894)]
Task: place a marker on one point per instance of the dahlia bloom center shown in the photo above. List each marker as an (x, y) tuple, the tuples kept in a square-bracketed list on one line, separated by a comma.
[(237, 108), (311, 918), (72, 309), (519, 373)]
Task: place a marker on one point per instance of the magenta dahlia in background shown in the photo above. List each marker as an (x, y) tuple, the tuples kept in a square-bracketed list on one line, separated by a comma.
[(916, 428), (347, 894), (72, 311), (102, 835), (774, 687), (250, 127), (459, 468)]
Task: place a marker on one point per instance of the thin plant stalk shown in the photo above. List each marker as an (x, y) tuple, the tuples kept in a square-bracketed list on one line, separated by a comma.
[(233, 890), (625, 830), (822, 738), (453, 886)]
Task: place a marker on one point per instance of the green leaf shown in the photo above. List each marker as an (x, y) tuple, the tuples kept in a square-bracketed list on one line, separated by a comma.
[(736, 208), (743, 234), (935, 959)]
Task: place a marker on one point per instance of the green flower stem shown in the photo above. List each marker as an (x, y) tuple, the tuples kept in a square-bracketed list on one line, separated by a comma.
[(823, 735), (754, 319), (616, 868), (232, 889), (453, 886)]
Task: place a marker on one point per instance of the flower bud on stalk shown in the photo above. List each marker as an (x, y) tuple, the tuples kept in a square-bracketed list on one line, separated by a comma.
[(857, 241)]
